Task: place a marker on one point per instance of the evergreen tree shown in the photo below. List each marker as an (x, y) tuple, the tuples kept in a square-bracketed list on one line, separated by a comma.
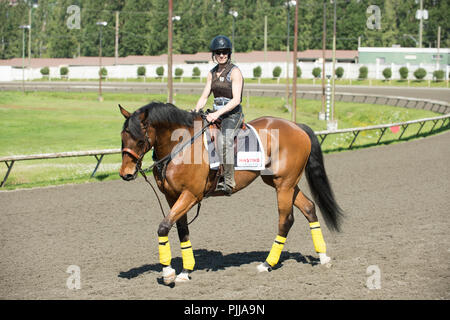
[(143, 25), (10, 35), (62, 42), (134, 29)]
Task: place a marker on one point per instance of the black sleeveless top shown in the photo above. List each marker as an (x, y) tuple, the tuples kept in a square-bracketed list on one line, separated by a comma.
[(221, 85)]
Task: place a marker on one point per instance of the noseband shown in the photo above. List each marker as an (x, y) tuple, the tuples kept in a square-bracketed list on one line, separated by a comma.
[(134, 154), (138, 158)]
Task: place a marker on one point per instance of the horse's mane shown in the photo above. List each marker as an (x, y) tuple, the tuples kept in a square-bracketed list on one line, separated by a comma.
[(158, 113)]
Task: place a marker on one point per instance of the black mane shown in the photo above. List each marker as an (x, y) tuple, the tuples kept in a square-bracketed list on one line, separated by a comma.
[(158, 113)]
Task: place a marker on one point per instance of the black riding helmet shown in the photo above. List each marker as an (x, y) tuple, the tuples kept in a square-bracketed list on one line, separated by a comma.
[(221, 43)]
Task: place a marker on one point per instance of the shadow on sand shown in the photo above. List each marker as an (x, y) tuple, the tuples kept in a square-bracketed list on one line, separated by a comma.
[(211, 260)]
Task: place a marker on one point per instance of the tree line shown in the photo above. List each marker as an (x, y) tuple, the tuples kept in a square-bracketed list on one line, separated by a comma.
[(57, 31)]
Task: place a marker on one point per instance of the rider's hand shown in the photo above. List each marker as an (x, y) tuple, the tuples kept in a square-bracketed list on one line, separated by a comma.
[(212, 117)]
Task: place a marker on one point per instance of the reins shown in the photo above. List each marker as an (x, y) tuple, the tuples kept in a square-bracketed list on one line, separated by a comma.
[(165, 159)]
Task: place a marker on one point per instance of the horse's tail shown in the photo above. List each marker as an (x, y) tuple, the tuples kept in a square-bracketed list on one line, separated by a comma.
[(318, 183)]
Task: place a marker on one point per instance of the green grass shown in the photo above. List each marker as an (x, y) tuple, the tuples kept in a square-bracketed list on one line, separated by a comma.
[(46, 122)]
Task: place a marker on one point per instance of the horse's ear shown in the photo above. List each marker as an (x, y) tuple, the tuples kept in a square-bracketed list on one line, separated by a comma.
[(124, 112)]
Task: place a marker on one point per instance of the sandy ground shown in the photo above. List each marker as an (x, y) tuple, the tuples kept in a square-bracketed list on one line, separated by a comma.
[(396, 200)]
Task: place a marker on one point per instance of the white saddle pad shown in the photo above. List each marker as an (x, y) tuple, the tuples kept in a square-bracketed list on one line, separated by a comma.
[(250, 152)]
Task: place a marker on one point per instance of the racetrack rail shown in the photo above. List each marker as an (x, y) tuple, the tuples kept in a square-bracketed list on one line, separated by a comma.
[(252, 90)]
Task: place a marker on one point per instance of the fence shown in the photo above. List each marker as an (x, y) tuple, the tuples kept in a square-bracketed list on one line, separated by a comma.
[(99, 154), (351, 70)]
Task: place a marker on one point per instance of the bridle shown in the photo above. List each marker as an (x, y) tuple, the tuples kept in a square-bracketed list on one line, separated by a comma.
[(148, 146)]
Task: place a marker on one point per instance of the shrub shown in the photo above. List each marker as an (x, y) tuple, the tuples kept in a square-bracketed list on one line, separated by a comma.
[(64, 71), (276, 72), (339, 72), (179, 72), (45, 71), (403, 73), (363, 72), (141, 71), (299, 72), (438, 75), (420, 73), (196, 72), (316, 72), (257, 71), (387, 73), (103, 72), (160, 71)]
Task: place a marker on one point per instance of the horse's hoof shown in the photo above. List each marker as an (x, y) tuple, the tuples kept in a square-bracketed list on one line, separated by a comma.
[(324, 259), (264, 267), (183, 277), (168, 275)]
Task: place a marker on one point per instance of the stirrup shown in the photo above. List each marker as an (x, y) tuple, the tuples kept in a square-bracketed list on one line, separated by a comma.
[(226, 189)]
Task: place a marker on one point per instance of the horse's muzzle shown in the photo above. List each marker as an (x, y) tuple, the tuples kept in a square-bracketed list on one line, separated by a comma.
[(129, 177)]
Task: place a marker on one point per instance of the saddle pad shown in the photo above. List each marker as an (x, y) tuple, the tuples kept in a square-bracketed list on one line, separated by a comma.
[(250, 152)]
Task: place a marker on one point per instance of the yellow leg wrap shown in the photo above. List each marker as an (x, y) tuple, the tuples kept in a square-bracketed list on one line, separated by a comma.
[(165, 255), (275, 252), (317, 237), (188, 255)]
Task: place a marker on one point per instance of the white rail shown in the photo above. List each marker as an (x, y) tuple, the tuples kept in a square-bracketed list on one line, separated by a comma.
[(99, 154)]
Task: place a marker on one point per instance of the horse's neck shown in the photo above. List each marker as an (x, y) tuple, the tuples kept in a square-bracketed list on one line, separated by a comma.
[(167, 137)]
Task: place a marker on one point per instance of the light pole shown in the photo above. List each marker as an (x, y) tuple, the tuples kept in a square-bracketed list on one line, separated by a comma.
[(288, 5), (294, 80), (333, 124), (100, 24), (324, 46), (421, 15), (23, 27), (169, 52), (235, 15)]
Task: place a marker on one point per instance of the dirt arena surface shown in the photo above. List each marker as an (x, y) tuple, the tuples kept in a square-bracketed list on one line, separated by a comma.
[(396, 200)]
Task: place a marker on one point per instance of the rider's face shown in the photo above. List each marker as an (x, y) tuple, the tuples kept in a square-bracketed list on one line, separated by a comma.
[(221, 56)]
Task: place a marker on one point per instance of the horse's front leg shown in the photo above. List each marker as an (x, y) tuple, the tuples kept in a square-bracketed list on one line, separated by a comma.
[(177, 213), (187, 253)]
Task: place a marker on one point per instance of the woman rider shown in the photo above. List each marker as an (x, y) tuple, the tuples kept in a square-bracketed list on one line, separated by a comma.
[(226, 83)]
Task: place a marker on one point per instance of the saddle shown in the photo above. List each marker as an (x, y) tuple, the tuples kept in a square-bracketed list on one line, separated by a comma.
[(248, 149)]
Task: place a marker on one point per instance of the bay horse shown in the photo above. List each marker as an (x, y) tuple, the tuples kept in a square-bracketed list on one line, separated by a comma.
[(290, 150)]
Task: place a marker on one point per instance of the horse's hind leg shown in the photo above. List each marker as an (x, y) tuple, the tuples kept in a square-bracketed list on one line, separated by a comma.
[(285, 222), (307, 207)]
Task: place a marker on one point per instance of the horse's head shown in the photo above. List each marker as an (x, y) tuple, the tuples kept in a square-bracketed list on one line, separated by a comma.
[(137, 139)]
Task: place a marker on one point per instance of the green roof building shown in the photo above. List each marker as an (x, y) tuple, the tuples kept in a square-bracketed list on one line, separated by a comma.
[(402, 56)]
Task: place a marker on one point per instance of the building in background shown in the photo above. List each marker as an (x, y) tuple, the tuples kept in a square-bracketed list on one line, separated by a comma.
[(403, 56)]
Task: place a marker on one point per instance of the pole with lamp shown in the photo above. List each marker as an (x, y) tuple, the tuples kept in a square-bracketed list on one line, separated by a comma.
[(235, 15), (294, 80), (23, 27), (332, 124), (171, 19), (421, 15), (101, 24), (288, 6), (324, 46), (169, 52)]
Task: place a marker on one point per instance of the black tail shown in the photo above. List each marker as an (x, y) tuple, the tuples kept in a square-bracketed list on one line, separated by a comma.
[(318, 183)]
